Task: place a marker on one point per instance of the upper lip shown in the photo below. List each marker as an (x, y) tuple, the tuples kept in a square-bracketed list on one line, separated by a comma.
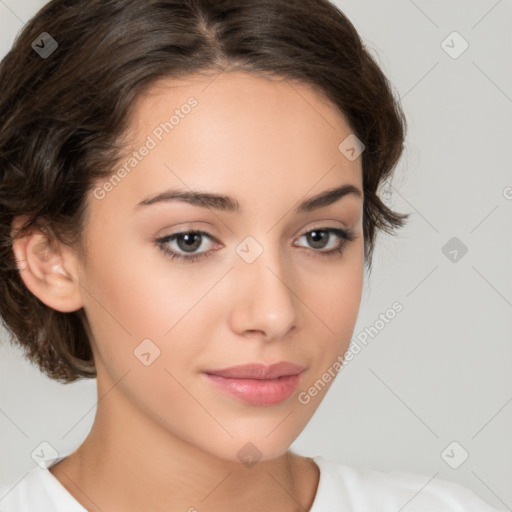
[(258, 371)]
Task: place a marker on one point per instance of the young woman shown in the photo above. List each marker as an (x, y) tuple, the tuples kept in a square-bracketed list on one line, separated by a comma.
[(189, 197)]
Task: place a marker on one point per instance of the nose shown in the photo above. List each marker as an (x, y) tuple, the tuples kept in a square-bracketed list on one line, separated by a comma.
[(263, 300)]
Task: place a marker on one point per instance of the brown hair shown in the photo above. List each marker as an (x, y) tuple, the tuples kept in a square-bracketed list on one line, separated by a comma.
[(63, 118)]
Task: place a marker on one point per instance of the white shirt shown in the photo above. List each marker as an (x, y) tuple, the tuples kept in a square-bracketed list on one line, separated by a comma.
[(340, 488)]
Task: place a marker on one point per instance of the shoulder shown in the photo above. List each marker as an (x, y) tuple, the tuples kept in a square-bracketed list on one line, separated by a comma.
[(36, 491), (364, 490)]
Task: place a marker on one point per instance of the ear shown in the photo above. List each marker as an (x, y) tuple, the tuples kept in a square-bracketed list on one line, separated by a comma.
[(47, 267)]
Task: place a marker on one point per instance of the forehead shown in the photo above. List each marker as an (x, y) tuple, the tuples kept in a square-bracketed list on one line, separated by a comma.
[(238, 134), (237, 87), (262, 113)]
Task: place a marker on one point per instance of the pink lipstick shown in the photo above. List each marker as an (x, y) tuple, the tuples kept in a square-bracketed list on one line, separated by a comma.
[(257, 383)]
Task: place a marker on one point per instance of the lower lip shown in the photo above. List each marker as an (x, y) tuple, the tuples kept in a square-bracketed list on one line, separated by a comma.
[(258, 392)]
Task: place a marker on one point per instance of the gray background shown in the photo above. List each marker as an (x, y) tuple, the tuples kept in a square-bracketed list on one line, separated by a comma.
[(440, 370)]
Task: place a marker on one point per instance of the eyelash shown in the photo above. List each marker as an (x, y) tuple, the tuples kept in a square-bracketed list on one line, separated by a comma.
[(345, 235)]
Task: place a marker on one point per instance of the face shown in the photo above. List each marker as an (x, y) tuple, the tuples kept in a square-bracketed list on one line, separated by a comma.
[(173, 288)]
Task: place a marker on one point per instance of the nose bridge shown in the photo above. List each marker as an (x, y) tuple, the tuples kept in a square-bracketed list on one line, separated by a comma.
[(265, 300)]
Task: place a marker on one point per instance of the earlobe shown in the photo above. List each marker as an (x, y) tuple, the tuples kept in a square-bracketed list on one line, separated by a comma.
[(44, 266)]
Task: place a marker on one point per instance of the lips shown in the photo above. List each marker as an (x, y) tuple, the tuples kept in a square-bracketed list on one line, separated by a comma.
[(258, 371), (258, 384)]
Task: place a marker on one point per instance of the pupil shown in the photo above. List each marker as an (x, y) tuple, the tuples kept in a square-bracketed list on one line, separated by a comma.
[(191, 241), (317, 236)]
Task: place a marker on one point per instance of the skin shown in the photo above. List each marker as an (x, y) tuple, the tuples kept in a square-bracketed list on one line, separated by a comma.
[(163, 435)]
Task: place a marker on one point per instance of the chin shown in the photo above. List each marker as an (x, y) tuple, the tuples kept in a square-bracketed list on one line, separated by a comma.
[(249, 450)]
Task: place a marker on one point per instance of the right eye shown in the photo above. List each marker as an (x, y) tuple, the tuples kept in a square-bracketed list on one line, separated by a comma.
[(186, 242)]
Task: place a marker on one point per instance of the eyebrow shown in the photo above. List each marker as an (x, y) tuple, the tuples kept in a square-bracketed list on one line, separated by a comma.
[(229, 204)]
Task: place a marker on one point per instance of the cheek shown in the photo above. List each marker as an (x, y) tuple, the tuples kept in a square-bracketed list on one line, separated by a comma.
[(343, 298), (138, 294), (336, 306), (335, 293), (134, 286)]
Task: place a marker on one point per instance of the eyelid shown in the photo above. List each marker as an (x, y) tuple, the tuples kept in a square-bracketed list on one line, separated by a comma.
[(188, 228), (324, 224)]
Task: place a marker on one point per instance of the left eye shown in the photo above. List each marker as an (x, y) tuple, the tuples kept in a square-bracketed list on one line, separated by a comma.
[(317, 238), (188, 243)]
